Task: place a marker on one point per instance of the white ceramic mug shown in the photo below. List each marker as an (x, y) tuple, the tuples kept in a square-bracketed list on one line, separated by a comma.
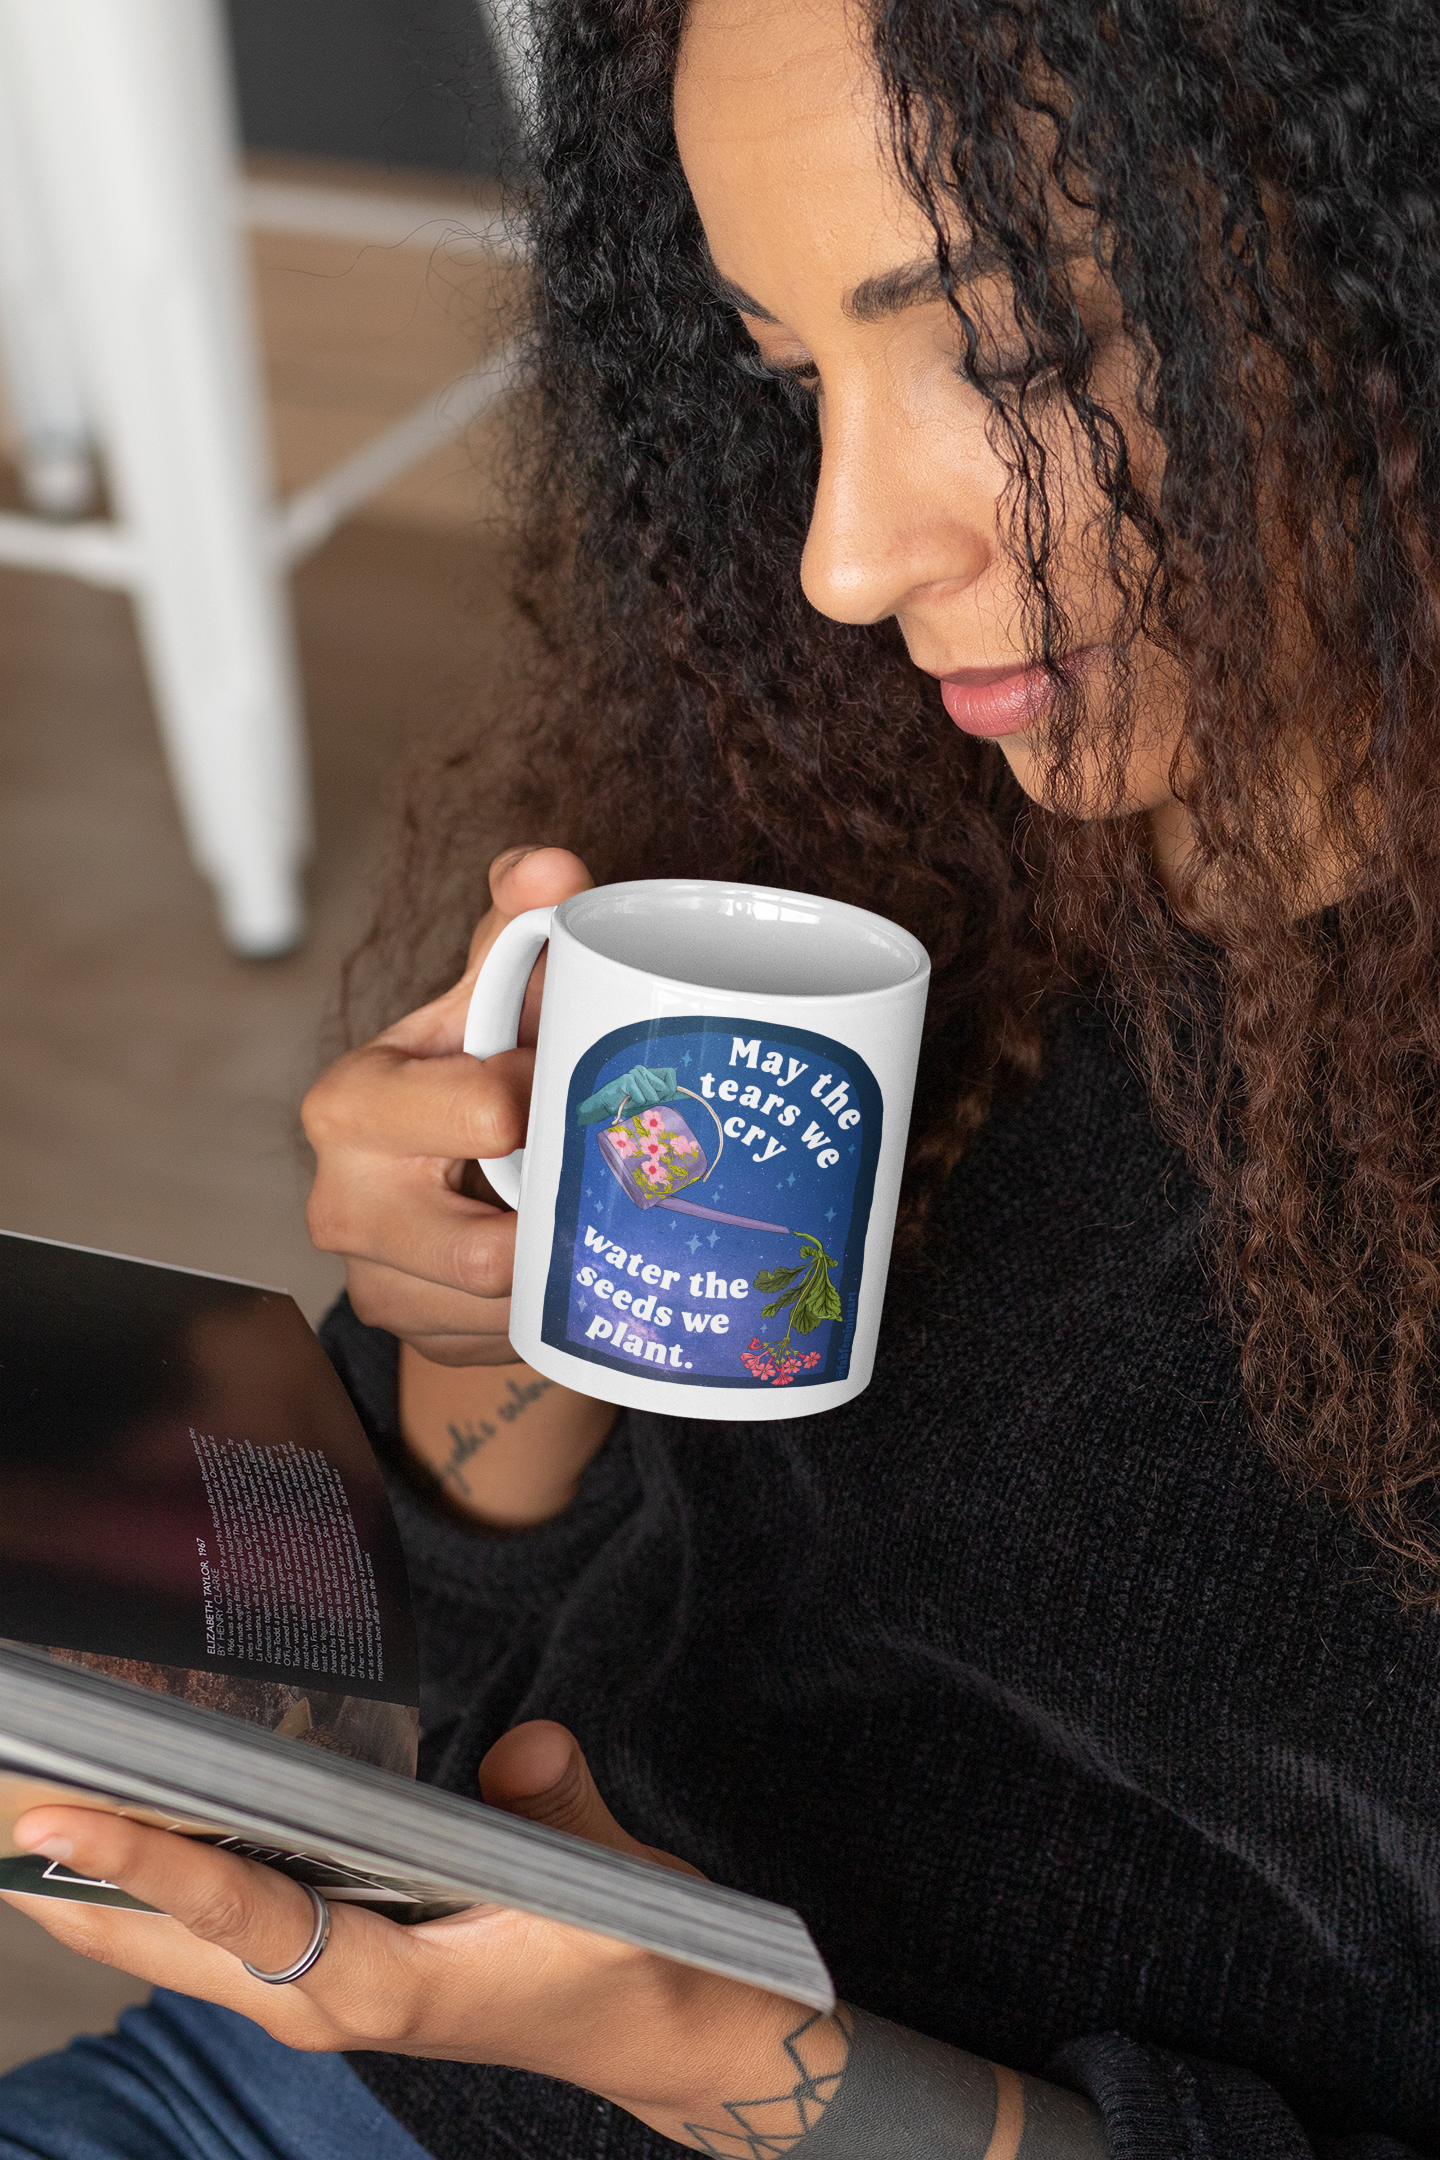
[(717, 1131)]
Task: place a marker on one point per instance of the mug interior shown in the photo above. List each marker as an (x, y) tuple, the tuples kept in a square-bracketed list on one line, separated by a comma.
[(746, 938)]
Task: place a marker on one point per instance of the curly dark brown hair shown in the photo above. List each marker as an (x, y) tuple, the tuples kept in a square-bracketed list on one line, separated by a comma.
[(1262, 182)]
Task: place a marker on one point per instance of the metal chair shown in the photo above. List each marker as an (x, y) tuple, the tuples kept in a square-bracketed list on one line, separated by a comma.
[(127, 338)]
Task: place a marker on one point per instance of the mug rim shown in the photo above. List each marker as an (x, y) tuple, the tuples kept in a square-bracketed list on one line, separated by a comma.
[(893, 931)]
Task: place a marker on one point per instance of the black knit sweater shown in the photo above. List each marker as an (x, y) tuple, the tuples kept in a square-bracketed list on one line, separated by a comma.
[(1078, 1740)]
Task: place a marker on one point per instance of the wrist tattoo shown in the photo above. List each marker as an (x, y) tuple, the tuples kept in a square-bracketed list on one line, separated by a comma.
[(816, 2053), (856, 2087), (464, 1441), (467, 1439)]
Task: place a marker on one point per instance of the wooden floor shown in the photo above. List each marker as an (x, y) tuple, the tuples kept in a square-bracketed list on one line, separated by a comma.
[(148, 1081)]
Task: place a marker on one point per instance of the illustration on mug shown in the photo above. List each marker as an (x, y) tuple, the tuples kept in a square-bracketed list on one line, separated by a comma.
[(658, 1143)]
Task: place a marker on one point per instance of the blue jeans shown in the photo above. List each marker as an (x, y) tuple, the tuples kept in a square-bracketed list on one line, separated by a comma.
[(183, 2080)]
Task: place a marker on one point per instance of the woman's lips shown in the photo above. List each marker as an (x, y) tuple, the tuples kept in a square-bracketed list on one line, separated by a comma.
[(999, 700), (995, 701)]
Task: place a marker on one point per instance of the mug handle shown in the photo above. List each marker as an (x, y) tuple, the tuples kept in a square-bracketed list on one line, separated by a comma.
[(493, 1020)]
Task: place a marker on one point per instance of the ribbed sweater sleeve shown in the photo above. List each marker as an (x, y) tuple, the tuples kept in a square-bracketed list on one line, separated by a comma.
[(1161, 2106)]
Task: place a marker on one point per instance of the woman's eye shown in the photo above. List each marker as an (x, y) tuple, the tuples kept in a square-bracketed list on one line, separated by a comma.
[(799, 375), (1009, 380)]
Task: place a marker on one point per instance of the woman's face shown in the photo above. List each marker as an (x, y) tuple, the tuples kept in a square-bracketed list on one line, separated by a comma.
[(831, 267)]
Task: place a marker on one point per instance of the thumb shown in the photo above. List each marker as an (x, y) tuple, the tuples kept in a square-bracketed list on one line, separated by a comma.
[(520, 879), (538, 1771)]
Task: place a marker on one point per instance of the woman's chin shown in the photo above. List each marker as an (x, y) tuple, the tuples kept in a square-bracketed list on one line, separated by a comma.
[(1084, 796)]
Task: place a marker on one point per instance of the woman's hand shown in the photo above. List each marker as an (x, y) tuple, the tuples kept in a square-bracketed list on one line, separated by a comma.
[(396, 1127), (665, 2042)]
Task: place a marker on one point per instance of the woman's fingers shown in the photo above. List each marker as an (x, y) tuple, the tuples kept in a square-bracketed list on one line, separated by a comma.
[(539, 1771), (488, 1985), (231, 1903), (393, 1126), (414, 1226), (521, 879), (379, 1101), (388, 1133), (230, 1909), (524, 878), (449, 1327)]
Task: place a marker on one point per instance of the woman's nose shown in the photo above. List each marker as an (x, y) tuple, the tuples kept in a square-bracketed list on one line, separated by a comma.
[(893, 520)]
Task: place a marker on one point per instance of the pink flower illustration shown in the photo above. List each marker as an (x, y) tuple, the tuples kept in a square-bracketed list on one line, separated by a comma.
[(776, 1367), (683, 1144), (652, 1121), (657, 1172), (655, 1149), (620, 1140)]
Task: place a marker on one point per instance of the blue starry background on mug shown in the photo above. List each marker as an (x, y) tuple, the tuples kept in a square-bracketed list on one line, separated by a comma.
[(714, 1168)]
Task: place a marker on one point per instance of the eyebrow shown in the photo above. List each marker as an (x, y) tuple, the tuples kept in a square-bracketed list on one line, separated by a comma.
[(909, 285), (734, 295), (912, 284)]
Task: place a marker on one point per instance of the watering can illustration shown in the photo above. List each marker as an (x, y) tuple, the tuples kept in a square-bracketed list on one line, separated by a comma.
[(648, 1147)]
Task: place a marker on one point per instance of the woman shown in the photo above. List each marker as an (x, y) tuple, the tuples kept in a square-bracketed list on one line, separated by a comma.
[(1070, 370)]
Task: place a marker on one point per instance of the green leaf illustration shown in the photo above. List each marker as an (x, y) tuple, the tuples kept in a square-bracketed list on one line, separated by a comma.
[(768, 1312), (813, 1299), (819, 1300)]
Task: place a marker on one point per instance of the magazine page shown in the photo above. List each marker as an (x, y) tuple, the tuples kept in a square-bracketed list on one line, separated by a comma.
[(356, 1830), (190, 1503)]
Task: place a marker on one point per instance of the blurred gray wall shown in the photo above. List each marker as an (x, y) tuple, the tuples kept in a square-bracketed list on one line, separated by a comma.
[(396, 82)]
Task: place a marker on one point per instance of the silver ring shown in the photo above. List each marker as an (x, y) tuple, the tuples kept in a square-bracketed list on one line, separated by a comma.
[(312, 1949)]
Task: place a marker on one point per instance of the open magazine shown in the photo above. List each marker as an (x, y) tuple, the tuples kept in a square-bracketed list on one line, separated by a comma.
[(205, 1624)]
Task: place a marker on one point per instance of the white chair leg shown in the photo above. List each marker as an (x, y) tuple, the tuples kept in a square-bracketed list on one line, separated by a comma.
[(36, 342), (131, 118), (511, 28)]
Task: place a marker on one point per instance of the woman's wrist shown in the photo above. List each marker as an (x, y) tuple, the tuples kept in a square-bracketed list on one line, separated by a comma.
[(712, 2041), (753, 2074), (915, 2098), (504, 1445)]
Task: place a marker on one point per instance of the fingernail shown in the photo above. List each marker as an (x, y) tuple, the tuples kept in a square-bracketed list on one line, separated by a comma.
[(55, 1848)]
